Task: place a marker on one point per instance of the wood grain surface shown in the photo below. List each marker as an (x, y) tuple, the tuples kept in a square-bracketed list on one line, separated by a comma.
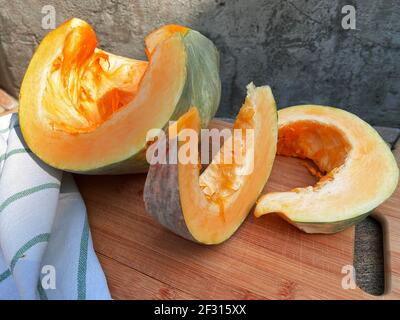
[(266, 259)]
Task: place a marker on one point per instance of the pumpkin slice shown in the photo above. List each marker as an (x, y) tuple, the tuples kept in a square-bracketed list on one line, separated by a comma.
[(209, 207), (88, 111), (358, 169)]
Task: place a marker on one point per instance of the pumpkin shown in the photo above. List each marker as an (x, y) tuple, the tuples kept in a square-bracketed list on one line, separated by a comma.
[(88, 111), (358, 170), (209, 207)]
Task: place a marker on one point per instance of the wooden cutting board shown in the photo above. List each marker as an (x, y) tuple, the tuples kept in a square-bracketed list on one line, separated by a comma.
[(267, 258)]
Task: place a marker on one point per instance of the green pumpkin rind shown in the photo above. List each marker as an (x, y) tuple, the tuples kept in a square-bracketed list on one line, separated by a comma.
[(328, 227)]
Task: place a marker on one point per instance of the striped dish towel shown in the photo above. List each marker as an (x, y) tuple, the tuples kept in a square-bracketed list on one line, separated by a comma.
[(46, 249)]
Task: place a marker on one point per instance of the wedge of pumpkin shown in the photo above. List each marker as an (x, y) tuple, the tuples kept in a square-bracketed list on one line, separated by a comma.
[(88, 111), (208, 207), (358, 169)]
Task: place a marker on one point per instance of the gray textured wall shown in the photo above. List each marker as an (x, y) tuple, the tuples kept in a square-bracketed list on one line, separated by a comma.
[(298, 47)]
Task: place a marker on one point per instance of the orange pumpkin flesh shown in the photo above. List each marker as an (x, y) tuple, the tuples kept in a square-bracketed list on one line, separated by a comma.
[(86, 110), (358, 169), (208, 207)]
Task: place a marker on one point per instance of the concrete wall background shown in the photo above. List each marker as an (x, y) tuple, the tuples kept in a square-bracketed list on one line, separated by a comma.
[(298, 46)]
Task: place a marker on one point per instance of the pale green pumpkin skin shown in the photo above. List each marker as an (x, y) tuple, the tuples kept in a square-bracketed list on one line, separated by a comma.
[(328, 227)]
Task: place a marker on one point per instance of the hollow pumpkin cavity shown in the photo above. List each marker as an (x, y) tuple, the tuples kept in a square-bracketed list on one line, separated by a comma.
[(324, 144), (86, 85)]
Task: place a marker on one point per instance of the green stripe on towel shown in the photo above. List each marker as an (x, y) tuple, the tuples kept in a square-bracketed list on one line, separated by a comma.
[(5, 156), (82, 264), (43, 237), (27, 192), (5, 275)]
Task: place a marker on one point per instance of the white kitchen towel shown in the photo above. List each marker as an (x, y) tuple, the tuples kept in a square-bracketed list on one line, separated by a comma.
[(46, 249)]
